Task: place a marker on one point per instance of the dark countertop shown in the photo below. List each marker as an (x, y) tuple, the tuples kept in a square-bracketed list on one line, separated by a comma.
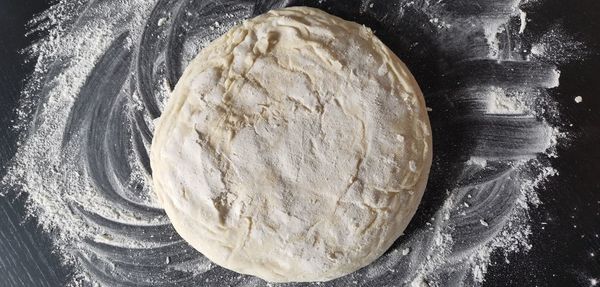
[(26, 258), (565, 251)]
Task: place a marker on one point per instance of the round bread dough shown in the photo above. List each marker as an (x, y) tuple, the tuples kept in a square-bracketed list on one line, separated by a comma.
[(296, 147)]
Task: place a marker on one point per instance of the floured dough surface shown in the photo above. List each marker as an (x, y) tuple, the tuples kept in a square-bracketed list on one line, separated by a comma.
[(296, 147)]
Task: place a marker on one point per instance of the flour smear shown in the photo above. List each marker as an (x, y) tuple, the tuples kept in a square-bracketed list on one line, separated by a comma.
[(105, 68)]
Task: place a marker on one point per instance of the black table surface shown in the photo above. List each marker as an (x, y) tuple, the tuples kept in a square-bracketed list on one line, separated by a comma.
[(565, 252)]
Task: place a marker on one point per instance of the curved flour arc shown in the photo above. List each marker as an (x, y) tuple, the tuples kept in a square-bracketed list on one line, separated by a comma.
[(119, 236), (95, 123)]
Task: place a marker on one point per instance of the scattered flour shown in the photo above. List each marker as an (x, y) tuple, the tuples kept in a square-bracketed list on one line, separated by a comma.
[(501, 103), (56, 183)]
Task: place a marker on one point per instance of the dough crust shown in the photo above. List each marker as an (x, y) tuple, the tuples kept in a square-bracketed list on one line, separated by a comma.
[(296, 147)]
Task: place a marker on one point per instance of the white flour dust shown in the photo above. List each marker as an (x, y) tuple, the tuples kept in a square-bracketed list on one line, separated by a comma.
[(104, 71)]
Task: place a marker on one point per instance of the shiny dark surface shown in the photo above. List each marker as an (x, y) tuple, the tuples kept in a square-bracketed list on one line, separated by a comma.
[(562, 248)]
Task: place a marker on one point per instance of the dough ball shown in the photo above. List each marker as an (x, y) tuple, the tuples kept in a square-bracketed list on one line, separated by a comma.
[(296, 147)]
